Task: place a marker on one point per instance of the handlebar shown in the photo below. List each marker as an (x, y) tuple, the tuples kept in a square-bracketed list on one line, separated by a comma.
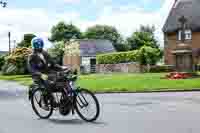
[(66, 71)]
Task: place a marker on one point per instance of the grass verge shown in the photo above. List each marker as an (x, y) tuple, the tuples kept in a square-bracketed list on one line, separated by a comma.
[(147, 82)]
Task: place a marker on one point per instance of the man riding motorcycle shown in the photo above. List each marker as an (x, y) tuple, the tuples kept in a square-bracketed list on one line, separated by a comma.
[(39, 63), (71, 98)]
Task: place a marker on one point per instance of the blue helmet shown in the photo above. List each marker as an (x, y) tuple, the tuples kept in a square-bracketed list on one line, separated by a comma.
[(37, 43)]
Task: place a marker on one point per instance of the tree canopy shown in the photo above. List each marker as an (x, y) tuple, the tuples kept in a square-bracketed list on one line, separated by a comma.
[(57, 51), (148, 55), (64, 32), (106, 32), (26, 42), (143, 37)]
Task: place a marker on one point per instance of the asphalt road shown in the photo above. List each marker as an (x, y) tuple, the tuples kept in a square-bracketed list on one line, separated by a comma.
[(120, 113)]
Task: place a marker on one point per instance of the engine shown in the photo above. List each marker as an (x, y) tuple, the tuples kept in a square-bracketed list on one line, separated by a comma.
[(65, 106)]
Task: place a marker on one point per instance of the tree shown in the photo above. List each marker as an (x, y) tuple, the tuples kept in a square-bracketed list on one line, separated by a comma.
[(64, 32), (121, 45), (149, 29), (106, 32), (143, 37), (26, 42), (3, 4), (148, 56), (57, 51)]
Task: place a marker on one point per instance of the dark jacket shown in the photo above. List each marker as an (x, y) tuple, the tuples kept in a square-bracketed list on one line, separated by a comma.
[(41, 62)]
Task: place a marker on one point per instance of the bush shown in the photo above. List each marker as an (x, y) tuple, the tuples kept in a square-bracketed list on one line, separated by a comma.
[(117, 57), (149, 55), (197, 67), (16, 62), (161, 68), (9, 69), (2, 60)]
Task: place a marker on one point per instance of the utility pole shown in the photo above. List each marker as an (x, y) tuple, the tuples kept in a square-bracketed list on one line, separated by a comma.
[(9, 35)]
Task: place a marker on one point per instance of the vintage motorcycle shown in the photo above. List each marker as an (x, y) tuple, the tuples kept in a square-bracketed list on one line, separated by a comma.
[(62, 94)]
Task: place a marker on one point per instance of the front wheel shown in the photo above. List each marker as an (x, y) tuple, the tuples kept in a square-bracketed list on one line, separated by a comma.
[(87, 105), (42, 103)]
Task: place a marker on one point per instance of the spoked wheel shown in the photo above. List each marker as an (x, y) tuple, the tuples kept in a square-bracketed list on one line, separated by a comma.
[(87, 105), (42, 104)]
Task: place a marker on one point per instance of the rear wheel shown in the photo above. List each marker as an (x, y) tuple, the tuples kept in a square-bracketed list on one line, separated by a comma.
[(87, 105), (42, 103)]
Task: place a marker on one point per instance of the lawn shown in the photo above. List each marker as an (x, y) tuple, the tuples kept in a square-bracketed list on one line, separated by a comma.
[(22, 79), (124, 82)]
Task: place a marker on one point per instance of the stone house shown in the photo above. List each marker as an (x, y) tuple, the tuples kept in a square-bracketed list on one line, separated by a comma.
[(182, 35), (81, 54)]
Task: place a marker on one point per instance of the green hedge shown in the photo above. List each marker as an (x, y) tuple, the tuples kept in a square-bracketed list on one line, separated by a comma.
[(117, 57)]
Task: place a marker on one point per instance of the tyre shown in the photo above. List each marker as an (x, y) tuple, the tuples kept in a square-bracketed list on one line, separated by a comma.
[(87, 105), (42, 104)]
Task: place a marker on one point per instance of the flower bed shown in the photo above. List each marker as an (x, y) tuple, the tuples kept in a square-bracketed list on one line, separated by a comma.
[(179, 75)]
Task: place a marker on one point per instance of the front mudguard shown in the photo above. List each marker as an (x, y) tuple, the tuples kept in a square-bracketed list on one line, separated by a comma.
[(31, 88)]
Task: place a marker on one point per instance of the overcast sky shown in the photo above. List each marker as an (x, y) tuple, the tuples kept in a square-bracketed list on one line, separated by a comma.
[(38, 16)]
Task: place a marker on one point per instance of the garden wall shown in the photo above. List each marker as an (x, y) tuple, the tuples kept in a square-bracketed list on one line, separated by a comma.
[(122, 67), (132, 68)]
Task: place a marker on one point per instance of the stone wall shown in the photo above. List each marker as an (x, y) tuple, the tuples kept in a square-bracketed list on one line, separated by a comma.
[(122, 67)]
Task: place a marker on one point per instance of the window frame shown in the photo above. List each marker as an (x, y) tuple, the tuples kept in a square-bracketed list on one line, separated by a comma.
[(179, 35), (188, 35)]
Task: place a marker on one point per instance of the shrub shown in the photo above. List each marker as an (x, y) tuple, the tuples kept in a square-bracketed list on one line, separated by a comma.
[(148, 55), (117, 57), (2, 60), (161, 68), (197, 67), (16, 62)]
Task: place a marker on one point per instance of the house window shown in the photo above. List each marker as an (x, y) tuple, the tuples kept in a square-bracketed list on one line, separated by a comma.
[(188, 35), (179, 35)]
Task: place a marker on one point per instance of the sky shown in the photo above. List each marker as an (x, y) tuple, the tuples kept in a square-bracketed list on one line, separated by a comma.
[(38, 16)]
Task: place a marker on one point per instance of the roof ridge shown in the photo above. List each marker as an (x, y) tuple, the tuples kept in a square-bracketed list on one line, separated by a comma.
[(171, 10), (188, 8), (89, 40)]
